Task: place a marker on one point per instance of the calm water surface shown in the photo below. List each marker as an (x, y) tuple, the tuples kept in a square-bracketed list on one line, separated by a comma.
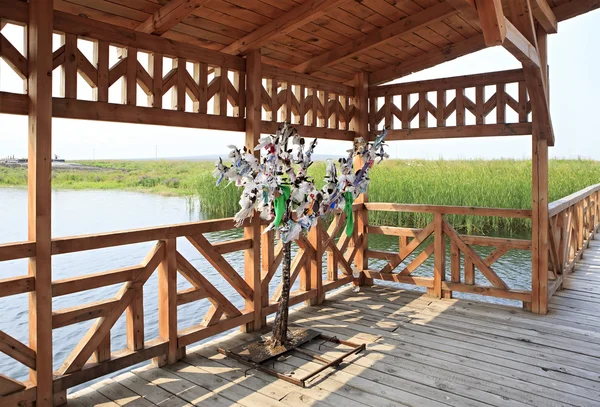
[(84, 212)]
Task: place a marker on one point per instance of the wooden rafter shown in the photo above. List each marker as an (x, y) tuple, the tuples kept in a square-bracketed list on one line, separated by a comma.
[(492, 22), (428, 60), (545, 16), (466, 7), (412, 23), (522, 43), (297, 17), (519, 14), (520, 47), (575, 8), (169, 16)]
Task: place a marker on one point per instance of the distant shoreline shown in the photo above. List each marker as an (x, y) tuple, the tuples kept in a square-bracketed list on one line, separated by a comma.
[(484, 183)]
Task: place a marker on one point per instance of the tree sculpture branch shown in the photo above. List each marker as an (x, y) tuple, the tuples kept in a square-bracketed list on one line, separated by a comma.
[(279, 188)]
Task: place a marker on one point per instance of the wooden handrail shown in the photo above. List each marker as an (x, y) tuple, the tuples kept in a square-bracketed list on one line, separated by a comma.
[(486, 79), (563, 203), (448, 210)]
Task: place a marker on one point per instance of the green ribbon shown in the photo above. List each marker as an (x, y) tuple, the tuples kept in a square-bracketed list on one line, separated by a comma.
[(279, 204), (349, 214)]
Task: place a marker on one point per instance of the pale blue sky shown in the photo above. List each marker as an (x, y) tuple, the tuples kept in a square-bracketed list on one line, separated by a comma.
[(574, 59)]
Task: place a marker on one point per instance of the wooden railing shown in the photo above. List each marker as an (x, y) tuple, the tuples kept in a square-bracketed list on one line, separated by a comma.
[(92, 357), (207, 89), (410, 112), (460, 278), (573, 221)]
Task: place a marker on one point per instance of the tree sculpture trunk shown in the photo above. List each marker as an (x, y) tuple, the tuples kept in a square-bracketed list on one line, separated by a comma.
[(280, 327)]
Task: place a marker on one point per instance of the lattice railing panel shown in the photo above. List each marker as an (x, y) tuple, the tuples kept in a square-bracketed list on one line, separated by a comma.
[(462, 101), (306, 106)]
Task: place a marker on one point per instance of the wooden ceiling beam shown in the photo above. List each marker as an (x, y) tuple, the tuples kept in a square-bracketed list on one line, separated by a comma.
[(545, 16), (408, 24), (574, 8), (491, 18), (520, 47), (168, 16), (428, 60), (295, 18), (522, 42), (466, 7)]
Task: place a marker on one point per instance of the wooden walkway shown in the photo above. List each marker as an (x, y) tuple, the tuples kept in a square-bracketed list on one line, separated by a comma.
[(420, 351)]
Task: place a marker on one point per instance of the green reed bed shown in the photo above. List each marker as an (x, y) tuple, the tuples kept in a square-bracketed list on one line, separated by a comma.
[(494, 183)]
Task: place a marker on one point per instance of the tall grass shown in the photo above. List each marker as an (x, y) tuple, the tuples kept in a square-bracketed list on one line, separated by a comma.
[(495, 183)]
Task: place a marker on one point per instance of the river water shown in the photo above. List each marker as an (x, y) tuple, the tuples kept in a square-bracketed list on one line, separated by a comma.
[(94, 211)]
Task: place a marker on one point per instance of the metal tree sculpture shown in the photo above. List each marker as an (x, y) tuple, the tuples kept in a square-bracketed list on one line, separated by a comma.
[(278, 188)]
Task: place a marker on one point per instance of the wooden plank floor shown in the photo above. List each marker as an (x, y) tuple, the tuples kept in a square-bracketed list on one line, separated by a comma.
[(420, 352)]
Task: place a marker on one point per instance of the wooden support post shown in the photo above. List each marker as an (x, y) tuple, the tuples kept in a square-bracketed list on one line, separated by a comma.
[(167, 304), (539, 253), (316, 264), (439, 268), (39, 194), (362, 130), (252, 264)]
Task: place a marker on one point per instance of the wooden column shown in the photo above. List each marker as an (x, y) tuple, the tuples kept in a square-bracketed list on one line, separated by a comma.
[(539, 253), (167, 304), (362, 130), (252, 255), (39, 193)]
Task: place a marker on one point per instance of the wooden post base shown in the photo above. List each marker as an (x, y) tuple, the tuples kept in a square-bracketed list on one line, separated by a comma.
[(163, 360)]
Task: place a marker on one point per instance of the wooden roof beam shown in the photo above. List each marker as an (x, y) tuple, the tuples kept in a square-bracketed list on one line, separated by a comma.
[(541, 11), (295, 18), (574, 8), (408, 24), (520, 47), (491, 18), (545, 16), (522, 42), (168, 16), (428, 60), (466, 7)]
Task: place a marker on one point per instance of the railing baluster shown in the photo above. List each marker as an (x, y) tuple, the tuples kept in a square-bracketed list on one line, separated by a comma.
[(101, 61), (129, 89)]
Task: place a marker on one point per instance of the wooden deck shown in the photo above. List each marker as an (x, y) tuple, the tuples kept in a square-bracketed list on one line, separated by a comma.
[(421, 351)]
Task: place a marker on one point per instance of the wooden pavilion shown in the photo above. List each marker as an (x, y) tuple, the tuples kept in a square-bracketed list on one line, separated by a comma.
[(245, 66)]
